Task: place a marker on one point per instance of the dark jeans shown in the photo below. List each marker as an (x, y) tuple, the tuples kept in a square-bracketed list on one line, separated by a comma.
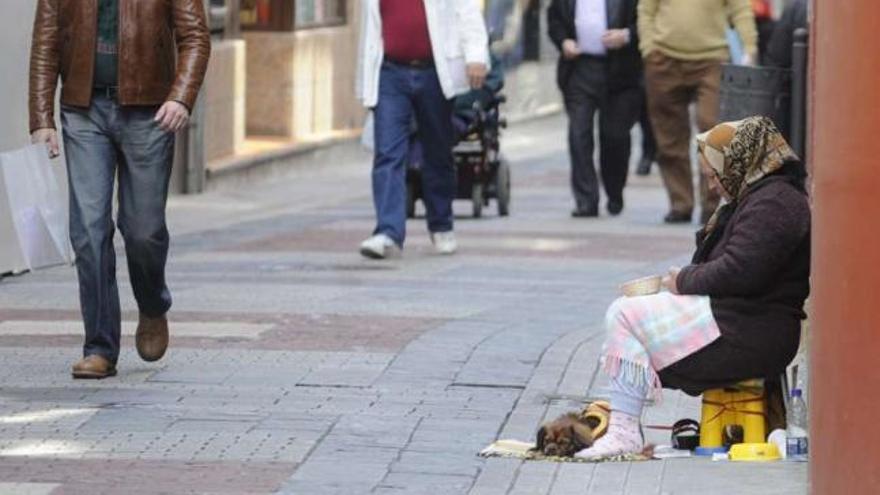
[(585, 93), (102, 143), (405, 92)]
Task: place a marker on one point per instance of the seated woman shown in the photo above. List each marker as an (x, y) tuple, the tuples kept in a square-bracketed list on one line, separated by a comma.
[(735, 312)]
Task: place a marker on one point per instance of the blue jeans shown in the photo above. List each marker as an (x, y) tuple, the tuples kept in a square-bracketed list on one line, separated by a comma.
[(102, 143), (405, 92)]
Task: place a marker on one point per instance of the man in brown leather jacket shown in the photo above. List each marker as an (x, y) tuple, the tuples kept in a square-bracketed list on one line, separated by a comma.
[(130, 72)]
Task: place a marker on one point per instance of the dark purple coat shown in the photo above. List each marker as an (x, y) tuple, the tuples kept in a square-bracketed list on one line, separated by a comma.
[(756, 272)]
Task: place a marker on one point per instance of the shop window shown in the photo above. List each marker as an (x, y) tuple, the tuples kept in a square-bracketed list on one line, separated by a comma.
[(267, 15), (218, 13), (287, 15), (319, 13)]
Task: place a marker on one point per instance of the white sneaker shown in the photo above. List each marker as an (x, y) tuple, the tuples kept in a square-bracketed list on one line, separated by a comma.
[(444, 242), (378, 247)]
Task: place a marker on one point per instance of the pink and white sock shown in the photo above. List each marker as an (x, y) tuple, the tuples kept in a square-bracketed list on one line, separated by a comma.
[(624, 436)]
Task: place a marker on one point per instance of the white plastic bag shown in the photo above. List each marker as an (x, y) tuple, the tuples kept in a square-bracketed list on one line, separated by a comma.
[(38, 206)]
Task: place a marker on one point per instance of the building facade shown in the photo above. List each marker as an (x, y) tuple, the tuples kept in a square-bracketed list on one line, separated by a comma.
[(291, 65), (282, 76), (15, 38)]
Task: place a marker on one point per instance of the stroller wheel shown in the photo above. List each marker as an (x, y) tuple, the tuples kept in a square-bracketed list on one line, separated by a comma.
[(477, 200), (502, 187)]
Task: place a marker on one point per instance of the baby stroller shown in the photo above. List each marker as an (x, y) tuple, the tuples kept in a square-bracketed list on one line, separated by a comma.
[(482, 173)]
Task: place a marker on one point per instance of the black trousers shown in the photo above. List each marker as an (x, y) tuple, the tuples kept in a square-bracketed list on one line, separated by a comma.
[(586, 92)]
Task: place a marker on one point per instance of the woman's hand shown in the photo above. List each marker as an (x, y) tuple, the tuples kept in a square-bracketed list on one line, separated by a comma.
[(670, 280)]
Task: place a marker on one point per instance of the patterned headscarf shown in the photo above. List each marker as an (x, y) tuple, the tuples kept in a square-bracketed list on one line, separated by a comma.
[(742, 153)]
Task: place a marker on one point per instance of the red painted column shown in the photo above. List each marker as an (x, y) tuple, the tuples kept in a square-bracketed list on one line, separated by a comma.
[(845, 321)]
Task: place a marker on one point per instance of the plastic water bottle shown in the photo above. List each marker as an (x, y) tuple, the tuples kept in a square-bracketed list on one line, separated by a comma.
[(797, 443)]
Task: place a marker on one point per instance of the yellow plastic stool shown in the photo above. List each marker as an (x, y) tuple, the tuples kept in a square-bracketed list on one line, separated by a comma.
[(743, 404)]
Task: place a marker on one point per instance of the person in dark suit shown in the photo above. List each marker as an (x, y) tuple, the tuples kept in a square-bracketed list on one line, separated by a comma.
[(599, 71)]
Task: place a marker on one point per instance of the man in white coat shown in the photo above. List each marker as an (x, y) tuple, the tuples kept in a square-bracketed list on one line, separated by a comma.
[(415, 56)]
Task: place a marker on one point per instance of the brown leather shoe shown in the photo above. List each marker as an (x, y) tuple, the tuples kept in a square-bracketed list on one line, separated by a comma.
[(93, 367), (151, 338)]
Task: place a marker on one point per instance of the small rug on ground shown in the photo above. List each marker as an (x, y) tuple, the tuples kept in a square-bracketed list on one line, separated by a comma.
[(516, 449)]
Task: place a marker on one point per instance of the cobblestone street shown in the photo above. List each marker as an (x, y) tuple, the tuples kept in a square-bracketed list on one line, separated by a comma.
[(298, 367)]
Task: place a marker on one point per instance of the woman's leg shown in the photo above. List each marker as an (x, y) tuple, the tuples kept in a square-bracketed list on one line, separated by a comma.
[(624, 435), (627, 392), (646, 334)]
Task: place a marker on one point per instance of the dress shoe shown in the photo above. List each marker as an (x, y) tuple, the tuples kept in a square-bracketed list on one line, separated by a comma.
[(615, 207), (644, 166), (93, 367), (677, 217), (151, 337), (585, 212)]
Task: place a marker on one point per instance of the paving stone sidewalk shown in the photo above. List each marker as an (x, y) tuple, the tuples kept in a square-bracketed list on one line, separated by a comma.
[(296, 367)]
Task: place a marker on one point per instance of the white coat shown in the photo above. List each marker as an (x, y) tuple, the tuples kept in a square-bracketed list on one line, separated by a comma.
[(458, 37)]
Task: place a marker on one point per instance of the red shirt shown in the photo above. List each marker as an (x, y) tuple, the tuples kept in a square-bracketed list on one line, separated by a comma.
[(405, 30), (762, 9)]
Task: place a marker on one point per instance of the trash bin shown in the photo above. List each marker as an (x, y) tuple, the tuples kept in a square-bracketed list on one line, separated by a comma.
[(746, 91)]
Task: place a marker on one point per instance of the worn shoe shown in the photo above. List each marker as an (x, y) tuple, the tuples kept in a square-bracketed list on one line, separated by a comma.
[(585, 212), (677, 217), (624, 436), (151, 337), (615, 207), (93, 367), (378, 247), (644, 166), (444, 242)]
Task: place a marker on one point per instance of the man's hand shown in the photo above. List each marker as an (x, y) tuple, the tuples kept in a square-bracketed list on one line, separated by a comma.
[(49, 137), (172, 116), (670, 281), (476, 73), (570, 49), (614, 39)]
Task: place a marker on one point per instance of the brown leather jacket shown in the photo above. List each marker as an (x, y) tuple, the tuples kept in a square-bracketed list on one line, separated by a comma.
[(164, 46)]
